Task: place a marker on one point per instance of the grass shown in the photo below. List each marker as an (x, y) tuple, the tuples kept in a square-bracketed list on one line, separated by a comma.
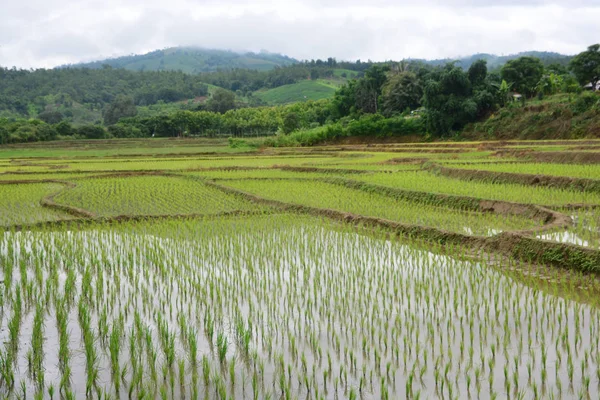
[(301, 91), (554, 117)]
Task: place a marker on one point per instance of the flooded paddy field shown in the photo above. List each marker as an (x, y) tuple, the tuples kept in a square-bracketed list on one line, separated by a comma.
[(278, 306), (361, 272)]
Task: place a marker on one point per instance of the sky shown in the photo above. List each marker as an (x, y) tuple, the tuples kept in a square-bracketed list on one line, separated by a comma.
[(47, 33)]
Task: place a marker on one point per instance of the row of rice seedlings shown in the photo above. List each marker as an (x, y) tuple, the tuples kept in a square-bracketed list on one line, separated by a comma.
[(20, 203), (175, 164), (288, 307), (428, 182), (327, 195), (149, 195), (254, 173), (587, 171)]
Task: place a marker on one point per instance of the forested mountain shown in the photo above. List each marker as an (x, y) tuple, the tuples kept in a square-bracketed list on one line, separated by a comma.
[(194, 60), (81, 94), (495, 62), (98, 92), (28, 93)]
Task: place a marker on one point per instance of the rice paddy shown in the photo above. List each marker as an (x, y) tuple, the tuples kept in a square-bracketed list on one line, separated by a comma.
[(294, 274)]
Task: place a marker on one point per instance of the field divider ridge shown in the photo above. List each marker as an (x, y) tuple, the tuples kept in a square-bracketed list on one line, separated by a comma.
[(563, 182)]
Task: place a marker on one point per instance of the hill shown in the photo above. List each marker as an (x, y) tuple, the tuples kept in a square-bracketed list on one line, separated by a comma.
[(315, 89), (561, 116), (495, 61), (194, 60), (303, 90)]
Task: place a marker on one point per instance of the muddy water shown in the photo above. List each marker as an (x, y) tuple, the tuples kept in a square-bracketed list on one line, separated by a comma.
[(330, 313)]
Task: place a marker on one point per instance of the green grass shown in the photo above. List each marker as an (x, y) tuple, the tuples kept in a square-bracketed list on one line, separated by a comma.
[(301, 91), (339, 72), (149, 195)]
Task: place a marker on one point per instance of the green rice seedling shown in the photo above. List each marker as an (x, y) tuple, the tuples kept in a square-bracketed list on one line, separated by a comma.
[(222, 344), (115, 350)]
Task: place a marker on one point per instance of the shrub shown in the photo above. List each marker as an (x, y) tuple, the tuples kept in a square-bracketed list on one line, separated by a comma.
[(584, 103), (91, 131)]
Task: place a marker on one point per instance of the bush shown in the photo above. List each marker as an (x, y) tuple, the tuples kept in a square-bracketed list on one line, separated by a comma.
[(584, 103), (91, 132), (370, 125), (125, 131)]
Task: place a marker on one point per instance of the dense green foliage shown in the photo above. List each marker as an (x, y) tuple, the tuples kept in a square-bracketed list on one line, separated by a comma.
[(29, 93), (232, 101), (524, 74), (586, 66)]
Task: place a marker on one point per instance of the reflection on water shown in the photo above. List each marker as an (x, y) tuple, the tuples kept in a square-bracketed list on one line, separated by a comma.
[(326, 312)]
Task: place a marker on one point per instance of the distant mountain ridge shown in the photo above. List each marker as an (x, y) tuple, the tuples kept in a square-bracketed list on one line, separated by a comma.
[(193, 60), (495, 61)]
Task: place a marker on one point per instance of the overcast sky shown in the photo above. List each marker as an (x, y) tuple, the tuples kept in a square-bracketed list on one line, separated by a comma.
[(46, 33)]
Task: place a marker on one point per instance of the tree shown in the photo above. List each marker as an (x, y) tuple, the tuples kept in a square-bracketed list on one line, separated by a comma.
[(121, 107), (401, 91), (91, 131), (523, 74), (222, 101), (64, 128), (448, 100), (50, 117), (550, 84), (290, 122), (478, 72), (344, 100), (586, 66), (503, 92)]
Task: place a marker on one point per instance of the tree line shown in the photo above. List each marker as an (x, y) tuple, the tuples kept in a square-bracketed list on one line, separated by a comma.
[(443, 98)]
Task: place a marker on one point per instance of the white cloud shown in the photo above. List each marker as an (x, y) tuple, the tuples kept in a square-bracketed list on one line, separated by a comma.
[(51, 32)]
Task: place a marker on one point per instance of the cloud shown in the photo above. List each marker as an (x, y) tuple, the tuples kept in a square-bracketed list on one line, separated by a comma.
[(48, 33)]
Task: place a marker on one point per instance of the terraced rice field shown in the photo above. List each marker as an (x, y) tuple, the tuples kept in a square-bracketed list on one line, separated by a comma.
[(342, 272)]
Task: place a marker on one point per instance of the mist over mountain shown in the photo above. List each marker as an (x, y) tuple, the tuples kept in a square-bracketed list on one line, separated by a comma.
[(198, 60), (194, 60)]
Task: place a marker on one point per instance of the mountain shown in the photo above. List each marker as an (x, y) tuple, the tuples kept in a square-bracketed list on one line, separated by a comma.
[(193, 60), (495, 61)]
